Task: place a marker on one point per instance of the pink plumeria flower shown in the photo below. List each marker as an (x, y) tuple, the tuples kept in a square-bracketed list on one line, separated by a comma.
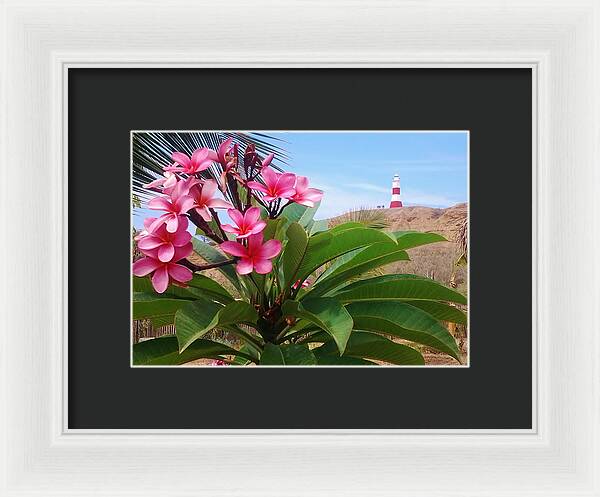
[(175, 207), (165, 242), (276, 185), (203, 199), (268, 160), (165, 272), (305, 195), (246, 224), (166, 183), (223, 153), (256, 256), (147, 223), (199, 161)]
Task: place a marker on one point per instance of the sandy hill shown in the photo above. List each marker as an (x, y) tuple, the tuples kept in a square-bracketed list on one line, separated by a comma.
[(437, 260)]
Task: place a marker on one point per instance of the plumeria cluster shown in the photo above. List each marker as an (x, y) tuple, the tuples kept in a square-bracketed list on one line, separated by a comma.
[(184, 194)]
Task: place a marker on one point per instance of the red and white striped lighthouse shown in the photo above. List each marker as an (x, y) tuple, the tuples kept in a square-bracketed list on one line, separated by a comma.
[(396, 202)]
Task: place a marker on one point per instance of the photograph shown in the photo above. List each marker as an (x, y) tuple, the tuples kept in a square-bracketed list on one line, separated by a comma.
[(299, 248)]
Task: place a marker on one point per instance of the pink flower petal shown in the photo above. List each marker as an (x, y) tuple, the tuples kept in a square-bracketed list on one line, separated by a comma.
[(244, 266), (307, 203), (268, 160), (208, 189), (160, 204), (286, 181), (145, 266), (184, 204), (263, 266), (166, 252), (181, 158), (204, 213), (181, 236), (251, 216), (172, 223), (234, 248), (199, 156), (228, 228), (182, 252), (269, 176), (257, 186), (180, 273), (270, 249), (158, 222), (218, 203), (301, 184), (224, 148), (160, 280), (149, 242), (286, 193), (258, 227), (236, 216), (155, 184)]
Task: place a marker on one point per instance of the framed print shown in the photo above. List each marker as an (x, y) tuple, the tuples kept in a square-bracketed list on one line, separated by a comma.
[(297, 251)]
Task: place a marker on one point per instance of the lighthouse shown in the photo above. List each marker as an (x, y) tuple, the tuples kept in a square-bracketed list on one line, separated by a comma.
[(396, 202)]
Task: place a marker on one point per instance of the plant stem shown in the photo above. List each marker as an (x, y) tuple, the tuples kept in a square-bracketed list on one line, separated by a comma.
[(203, 225), (218, 221)]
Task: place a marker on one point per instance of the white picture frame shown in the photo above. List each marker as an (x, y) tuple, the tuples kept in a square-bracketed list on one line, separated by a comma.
[(558, 39)]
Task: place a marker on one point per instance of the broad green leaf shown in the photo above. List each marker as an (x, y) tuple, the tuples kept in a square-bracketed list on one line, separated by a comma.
[(326, 313), (441, 311), (300, 214), (289, 355), (381, 288), (203, 286), (144, 285), (324, 247), (365, 345), (403, 321), (319, 226), (165, 351), (411, 239), (155, 306), (372, 257), (294, 252), (197, 318), (346, 226), (211, 255)]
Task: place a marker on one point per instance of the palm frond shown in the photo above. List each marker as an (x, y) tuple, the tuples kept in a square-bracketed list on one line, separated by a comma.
[(370, 218), (152, 150)]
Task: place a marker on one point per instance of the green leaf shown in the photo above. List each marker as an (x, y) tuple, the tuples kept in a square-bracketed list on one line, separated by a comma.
[(372, 257), (411, 239), (326, 313), (403, 321), (365, 345), (382, 288), (165, 351), (294, 252), (300, 214), (203, 286), (319, 226), (155, 306), (198, 318), (289, 355), (144, 285), (324, 247), (212, 255), (441, 311)]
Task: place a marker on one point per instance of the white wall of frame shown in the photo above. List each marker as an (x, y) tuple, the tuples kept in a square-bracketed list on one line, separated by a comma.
[(558, 38)]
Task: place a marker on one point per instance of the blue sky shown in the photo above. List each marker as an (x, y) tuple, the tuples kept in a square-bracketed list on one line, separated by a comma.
[(355, 169)]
